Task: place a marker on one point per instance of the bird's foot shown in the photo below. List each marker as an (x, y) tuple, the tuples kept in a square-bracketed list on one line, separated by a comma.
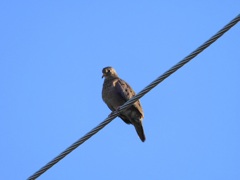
[(114, 111)]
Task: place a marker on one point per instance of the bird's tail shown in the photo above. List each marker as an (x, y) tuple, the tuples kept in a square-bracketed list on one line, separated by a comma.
[(139, 128)]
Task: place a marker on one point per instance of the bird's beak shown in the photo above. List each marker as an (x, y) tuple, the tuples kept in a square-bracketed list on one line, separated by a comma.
[(103, 75)]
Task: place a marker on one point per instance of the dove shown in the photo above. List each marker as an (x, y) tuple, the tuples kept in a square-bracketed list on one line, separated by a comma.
[(116, 92)]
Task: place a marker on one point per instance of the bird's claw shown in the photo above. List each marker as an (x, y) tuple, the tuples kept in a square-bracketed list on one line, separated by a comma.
[(113, 112)]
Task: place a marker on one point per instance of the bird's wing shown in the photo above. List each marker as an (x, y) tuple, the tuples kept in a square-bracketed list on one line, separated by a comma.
[(126, 92)]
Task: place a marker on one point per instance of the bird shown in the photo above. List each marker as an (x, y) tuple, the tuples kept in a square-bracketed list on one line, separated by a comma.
[(116, 92)]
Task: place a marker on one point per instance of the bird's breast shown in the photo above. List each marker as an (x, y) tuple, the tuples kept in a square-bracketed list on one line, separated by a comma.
[(110, 94)]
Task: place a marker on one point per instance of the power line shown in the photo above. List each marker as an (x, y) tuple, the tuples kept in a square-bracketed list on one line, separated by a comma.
[(135, 98)]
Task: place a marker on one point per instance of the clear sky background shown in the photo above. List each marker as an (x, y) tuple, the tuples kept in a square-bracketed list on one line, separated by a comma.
[(51, 57)]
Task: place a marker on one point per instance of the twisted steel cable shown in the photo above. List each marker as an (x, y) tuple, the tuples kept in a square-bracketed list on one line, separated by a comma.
[(135, 98)]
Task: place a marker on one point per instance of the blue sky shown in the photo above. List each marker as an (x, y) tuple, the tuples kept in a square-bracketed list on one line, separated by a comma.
[(51, 57)]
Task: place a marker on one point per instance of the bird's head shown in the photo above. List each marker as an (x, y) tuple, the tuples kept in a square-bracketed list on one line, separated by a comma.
[(109, 72)]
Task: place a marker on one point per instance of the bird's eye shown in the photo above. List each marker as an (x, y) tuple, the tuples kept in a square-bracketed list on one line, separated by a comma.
[(108, 70)]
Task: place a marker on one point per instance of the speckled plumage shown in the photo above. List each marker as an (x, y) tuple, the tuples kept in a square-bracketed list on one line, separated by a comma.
[(115, 93)]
